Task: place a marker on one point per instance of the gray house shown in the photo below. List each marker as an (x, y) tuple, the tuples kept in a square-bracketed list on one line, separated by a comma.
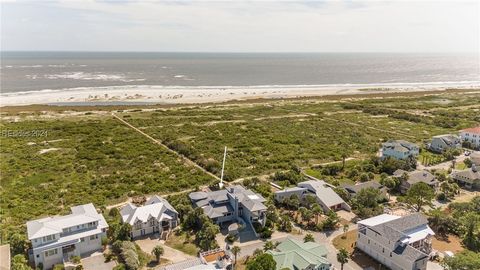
[(442, 143), (354, 189), (233, 204), (400, 243), (324, 194), (415, 177), (469, 178), (156, 216)]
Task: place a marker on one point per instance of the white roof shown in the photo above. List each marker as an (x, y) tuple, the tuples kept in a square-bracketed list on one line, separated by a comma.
[(154, 208), (81, 214), (380, 219), (418, 234), (323, 192)]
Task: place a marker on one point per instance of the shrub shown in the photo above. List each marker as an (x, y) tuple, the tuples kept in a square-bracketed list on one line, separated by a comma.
[(120, 266), (75, 259), (441, 196)]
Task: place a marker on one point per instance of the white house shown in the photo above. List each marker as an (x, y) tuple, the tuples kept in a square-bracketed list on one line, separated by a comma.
[(324, 194), (471, 135), (56, 239), (156, 216), (400, 243), (399, 149), (442, 143)]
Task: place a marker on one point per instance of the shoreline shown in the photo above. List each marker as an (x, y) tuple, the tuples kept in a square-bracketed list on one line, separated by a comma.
[(163, 95)]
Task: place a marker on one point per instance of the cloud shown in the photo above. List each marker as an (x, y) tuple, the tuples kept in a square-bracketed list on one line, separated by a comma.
[(241, 26)]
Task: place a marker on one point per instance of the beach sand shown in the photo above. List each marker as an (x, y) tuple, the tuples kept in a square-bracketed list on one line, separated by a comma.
[(196, 95)]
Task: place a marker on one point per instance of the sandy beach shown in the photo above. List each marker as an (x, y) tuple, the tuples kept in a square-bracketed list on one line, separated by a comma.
[(192, 95)]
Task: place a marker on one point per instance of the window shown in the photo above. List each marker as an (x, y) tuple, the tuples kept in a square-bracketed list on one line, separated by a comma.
[(50, 252), (82, 239), (92, 237), (390, 254), (369, 241)]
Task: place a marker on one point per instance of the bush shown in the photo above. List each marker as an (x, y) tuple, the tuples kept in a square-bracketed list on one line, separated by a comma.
[(120, 266), (59, 267), (231, 238), (75, 259), (441, 196)]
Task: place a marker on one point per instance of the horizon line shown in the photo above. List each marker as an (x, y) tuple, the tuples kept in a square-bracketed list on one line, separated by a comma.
[(236, 52)]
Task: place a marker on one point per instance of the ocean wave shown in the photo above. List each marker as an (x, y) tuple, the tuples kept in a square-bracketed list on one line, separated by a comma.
[(91, 76)]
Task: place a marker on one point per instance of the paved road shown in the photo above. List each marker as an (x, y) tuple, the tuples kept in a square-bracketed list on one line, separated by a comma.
[(324, 238)]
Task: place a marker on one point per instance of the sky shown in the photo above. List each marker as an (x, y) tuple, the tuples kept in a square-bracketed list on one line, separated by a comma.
[(234, 26)]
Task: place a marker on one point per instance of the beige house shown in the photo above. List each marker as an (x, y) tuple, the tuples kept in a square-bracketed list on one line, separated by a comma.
[(469, 178)]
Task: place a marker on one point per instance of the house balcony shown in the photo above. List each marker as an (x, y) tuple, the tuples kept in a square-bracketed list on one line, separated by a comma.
[(424, 245)]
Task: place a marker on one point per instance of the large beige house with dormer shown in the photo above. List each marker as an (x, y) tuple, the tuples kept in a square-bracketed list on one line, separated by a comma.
[(156, 216)]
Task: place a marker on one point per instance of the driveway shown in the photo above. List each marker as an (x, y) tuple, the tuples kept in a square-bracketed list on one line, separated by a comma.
[(324, 238), (97, 262), (147, 244)]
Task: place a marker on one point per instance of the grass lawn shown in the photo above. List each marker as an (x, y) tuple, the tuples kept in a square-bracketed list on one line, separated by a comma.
[(346, 241), (179, 241), (452, 243), (460, 166), (428, 158)]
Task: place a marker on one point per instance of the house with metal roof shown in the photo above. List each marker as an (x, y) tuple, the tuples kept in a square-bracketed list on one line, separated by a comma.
[(56, 239), (469, 178), (415, 177), (326, 197), (295, 254), (398, 242), (156, 216), (442, 143), (233, 204), (399, 149)]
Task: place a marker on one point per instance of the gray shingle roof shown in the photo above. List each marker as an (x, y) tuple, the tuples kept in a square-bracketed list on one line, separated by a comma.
[(217, 203), (356, 188)]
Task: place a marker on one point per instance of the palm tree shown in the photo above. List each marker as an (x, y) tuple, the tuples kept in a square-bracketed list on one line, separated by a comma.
[(235, 250), (342, 257), (317, 211), (345, 230), (308, 238), (344, 156), (157, 251), (269, 245)]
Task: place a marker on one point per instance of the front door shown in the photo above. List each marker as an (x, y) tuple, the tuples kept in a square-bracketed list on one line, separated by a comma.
[(142, 232)]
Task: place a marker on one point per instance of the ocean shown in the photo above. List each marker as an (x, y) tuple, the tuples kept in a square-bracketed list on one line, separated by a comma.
[(36, 71)]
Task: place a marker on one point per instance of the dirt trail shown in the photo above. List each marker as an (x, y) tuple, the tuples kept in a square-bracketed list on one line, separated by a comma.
[(184, 158)]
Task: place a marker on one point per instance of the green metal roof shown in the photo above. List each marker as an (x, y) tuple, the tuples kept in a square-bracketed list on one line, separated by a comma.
[(294, 254)]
